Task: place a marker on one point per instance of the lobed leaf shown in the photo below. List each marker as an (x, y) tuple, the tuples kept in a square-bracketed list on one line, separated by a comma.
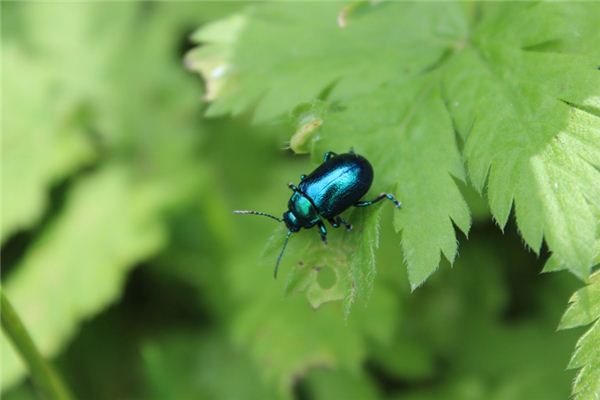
[(285, 339), (418, 133), (518, 82), (584, 309), (527, 135), (350, 263)]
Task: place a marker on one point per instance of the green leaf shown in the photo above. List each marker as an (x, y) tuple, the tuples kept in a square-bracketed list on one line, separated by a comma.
[(112, 217), (79, 264), (350, 262), (42, 140), (285, 337), (309, 119), (584, 309), (409, 116), (520, 96), (215, 61), (50, 79), (418, 137), (517, 82), (554, 264), (489, 352)]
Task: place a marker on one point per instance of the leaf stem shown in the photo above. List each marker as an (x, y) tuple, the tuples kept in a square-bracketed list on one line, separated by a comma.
[(42, 373)]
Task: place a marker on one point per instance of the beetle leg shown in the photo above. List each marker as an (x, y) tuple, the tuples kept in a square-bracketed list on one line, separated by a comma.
[(323, 231), (379, 198), (293, 187), (346, 224), (335, 222), (302, 177), (329, 155)]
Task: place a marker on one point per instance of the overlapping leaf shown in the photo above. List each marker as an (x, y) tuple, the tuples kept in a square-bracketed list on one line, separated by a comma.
[(585, 310), (349, 260), (516, 81), (386, 94), (283, 335), (287, 338), (420, 162), (524, 97)]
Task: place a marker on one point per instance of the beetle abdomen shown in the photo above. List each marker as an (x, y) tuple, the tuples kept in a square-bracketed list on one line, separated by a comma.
[(338, 183)]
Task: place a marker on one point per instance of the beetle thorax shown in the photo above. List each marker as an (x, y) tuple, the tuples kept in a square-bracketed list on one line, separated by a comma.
[(302, 213)]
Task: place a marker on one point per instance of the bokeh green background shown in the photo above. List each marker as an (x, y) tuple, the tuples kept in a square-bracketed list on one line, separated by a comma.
[(120, 251)]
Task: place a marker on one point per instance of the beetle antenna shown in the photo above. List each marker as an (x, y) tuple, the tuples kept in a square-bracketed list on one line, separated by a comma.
[(250, 212), (287, 238)]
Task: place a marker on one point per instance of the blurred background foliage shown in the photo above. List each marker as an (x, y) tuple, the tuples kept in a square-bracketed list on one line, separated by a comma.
[(121, 254)]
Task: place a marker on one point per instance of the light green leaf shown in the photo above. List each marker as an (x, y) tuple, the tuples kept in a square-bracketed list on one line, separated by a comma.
[(215, 61), (112, 219), (519, 95), (349, 261), (42, 141), (285, 337), (77, 267), (584, 309), (517, 82), (309, 119), (554, 264), (50, 76), (418, 138), (409, 116)]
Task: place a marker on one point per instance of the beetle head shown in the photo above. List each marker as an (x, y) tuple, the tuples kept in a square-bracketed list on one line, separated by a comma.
[(291, 222)]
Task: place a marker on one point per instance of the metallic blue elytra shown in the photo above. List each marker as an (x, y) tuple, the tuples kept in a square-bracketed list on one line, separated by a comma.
[(336, 185)]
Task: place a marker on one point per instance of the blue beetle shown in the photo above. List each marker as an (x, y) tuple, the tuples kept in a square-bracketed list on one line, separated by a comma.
[(336, 185)]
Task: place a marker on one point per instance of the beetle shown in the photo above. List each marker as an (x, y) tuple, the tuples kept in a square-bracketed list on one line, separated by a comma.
[(336, 185)]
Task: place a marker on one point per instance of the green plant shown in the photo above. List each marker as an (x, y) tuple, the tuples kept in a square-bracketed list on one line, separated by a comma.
[(517, 84), (122, 257), (510, 91), (584, 310)]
